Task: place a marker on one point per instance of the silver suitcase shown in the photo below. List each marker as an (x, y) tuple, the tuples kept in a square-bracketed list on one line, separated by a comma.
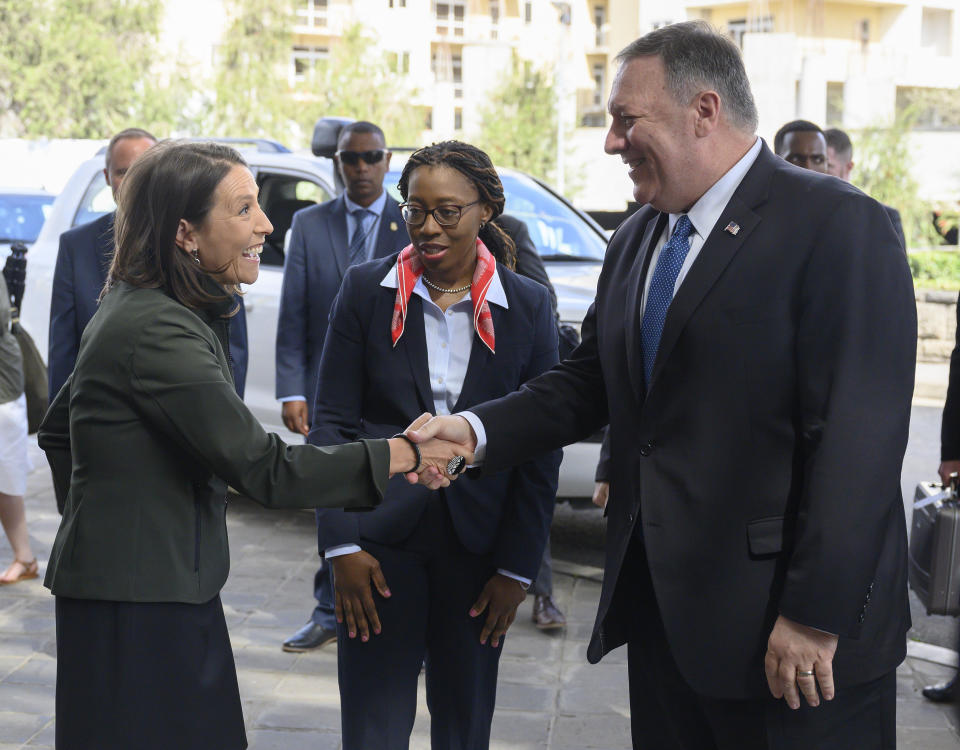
[(934, 571)]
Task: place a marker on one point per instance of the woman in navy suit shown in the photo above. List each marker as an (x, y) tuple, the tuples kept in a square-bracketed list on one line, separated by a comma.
[(433, 575)]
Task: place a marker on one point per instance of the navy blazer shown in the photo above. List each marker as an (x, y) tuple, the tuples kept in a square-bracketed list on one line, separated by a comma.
[(316, 260), (83, 262), (762, 460), (368, 387)]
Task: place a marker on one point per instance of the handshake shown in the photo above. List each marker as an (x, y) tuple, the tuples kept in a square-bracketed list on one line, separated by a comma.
[(437, 448)]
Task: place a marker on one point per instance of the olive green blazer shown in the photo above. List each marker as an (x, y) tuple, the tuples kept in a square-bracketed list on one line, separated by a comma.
[(150, 429)]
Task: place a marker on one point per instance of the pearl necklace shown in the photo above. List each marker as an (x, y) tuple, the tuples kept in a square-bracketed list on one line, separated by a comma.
[(458, 290)]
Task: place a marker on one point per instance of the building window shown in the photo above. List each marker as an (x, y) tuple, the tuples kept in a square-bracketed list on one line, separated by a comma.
[(312, 13), (598, 76), (428, 119), (399, 62), (593, 120), (450, 18), (306, 62), (397, 3), (834, 103), (736, 28), (456, 67), (458, 119), (600, 21), (528, 12), (936, 31), (494, 18)]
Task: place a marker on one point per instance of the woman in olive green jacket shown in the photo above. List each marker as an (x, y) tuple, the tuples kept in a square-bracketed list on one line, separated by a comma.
[(150, 429)]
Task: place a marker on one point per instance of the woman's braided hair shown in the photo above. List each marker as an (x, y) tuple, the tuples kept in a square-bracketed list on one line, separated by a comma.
[(476, 166)]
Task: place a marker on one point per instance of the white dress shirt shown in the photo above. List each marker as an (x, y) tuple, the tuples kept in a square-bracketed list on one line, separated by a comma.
[(703, 215), (449, 338)]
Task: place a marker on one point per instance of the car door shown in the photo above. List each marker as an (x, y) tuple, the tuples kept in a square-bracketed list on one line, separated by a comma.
[(283, 191)]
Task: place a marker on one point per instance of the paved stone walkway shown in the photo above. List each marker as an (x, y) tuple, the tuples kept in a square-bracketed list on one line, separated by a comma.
[(549, 697)]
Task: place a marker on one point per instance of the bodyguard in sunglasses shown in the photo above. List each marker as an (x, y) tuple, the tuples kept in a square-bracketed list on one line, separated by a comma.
[(362, 224)]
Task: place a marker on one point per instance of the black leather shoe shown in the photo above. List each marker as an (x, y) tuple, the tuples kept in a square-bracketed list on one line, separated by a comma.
[(945, 692), (546, 614), (311, 636)]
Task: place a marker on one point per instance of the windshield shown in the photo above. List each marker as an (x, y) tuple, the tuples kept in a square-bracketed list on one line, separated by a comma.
[(22, 216), (557, 230)]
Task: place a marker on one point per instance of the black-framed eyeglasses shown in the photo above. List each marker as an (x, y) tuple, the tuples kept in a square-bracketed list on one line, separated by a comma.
[(445, 216), (352, 158)]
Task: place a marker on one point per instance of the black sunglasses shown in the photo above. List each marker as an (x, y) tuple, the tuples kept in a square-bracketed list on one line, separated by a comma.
[(352, 158)]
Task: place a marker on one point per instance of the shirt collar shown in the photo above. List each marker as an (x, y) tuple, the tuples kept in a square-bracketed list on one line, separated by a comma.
[(495, 294), (375, 208), (705, 213)]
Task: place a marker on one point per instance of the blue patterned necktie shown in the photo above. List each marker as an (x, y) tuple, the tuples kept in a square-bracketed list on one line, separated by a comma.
[(660, 294), (358, 243)]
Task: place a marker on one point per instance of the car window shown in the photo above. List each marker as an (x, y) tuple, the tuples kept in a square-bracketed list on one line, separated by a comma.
[(558, 231), (97, 200), (281, 196), (22, 216)]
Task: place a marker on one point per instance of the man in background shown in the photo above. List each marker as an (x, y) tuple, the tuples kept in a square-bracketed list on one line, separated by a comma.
[(840, 164), (802, 143), (362, 224)]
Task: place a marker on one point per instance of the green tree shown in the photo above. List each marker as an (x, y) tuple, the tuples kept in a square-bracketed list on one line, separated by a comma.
[(76, 68), (883, 171), (519, 123), (252, 93), (358, 81)]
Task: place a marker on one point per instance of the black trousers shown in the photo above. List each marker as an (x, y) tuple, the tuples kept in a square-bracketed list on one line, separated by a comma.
[(666, 714), (433, 582)]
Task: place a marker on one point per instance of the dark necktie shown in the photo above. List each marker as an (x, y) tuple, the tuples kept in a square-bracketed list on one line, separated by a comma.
[(660, 294), (358, 243)]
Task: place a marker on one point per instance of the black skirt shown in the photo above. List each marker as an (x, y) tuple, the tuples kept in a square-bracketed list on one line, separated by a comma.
[(146, 676)]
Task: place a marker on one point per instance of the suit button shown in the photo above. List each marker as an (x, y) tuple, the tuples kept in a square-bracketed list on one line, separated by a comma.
[(630, 517), (861, 618), (646, 449)]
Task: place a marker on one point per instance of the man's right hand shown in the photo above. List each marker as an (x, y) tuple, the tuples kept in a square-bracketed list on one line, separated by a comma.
[(601, 491), (294, 414), (946, 469), (353, 575)]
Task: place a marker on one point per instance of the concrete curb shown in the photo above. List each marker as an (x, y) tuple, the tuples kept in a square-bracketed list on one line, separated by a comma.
[(946, 657)]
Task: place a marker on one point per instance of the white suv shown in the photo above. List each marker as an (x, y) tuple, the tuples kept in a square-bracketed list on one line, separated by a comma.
[(572, 246)]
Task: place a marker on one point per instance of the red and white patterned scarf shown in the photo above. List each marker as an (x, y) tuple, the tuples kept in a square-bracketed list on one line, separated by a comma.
[(410, 268)]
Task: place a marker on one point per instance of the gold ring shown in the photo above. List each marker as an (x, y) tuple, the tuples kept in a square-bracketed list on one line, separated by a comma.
[(805, 673)]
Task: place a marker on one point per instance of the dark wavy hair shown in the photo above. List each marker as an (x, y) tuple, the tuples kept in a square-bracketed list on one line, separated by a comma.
[(476, 166), (171, 181)]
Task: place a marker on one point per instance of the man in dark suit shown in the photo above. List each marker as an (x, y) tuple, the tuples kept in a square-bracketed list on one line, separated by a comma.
[(840, 164), (362, 224), (83, 261), (756, 545)]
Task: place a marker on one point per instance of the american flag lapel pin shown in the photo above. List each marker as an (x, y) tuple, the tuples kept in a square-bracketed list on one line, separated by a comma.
[(732, 228)]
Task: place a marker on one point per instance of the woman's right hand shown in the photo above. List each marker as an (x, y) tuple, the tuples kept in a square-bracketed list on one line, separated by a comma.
[(353, 575)]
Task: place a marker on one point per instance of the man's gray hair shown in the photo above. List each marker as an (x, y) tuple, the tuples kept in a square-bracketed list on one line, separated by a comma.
[(696, 57)]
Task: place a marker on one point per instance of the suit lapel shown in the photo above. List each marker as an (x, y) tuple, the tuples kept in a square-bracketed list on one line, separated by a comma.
[(392, 235), (337, 232), (717, 252), (634, 313), (414, 343), (105, 249)]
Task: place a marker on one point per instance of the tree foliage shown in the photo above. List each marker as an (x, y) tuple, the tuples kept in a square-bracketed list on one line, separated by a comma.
[(76, 68), (519, 122), (357, 81), (883, 161), (251, 91)]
